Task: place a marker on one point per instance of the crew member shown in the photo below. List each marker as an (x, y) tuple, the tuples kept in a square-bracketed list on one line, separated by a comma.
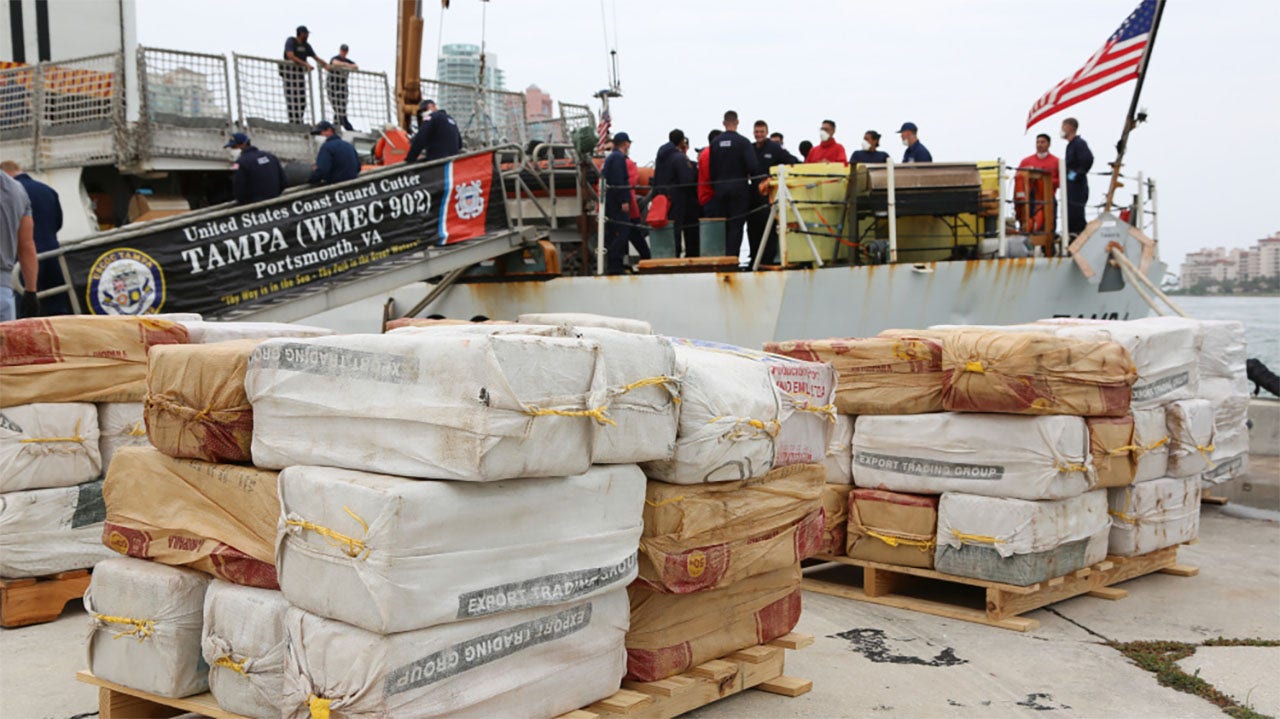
[(805, 148), (706, 191), (617, 200), (636, 234), (768, 155), (673, 175), (916, 151), (870, 154), (17, 246), (294, 73), (339, 91), (827, 149), (437, 135), (1041, 160), (733, 164), (337, 159), (256, 175), (46, 216), (1079, 162)]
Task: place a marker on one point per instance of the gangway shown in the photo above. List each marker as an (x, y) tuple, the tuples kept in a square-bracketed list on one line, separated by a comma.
[(310, 250)]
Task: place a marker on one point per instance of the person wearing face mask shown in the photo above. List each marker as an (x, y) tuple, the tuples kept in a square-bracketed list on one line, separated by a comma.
[(916, 151), (1079, 162), (827, 149), (870, 154), (437, 135), (255, 175), (617, 204), (337, 159)]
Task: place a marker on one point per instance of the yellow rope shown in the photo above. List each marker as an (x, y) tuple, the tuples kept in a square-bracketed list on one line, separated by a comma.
[(1126, 517), (139, 429), (1205, 452), (598, 414), (318, 707), (827, 410), (1125, 449), (140, 628), (663, 380), (1155, 445), (42, 440), (1069, 467), (350, 546), (892, 541), (769, 428), (664, 502), (979, 538), (975, 367), (237, 667)]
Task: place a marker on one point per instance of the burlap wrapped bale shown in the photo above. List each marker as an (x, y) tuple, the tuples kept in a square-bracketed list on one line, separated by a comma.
[(217, 518), (46, 531), (701, 537), (244, 643), (1154, 515), (673, 633), (1031, 373), (196, 405), (893, 527), (877, 375), (835, 508), (202, 332), (1151, 444), (120, 424), (1164, 353), (48, 445), (1114, 452), (79, 359), (839, 459), (585, 319), (1191, 441)]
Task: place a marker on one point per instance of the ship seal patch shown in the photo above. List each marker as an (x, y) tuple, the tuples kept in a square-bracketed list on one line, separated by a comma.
[(470, 202), (125, 281)]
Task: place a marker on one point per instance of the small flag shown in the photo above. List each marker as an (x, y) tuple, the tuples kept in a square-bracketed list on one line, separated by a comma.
[(1117, 62), (602, 129)]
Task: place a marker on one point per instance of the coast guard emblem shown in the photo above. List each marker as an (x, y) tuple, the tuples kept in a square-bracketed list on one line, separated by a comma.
[(470, 202), (124, 281)]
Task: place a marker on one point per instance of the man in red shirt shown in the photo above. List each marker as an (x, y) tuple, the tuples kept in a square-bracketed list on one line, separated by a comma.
[(1041, 160), (828, 150), (706, 192)]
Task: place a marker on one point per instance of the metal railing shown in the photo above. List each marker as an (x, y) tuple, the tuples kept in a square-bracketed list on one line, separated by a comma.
[(185, 105), (62, 114), (484, 116), (275, 102), (19, 103), (356, 100)]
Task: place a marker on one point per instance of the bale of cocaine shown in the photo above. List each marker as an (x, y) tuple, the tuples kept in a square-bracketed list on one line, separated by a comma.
[(196, 405), (584, 319), (120, 424), (1191, 441), (835, 509), (46, 531), (839, 459), (877, 375), (1154, 515), (204, 332), (1151, 444), (243, 643), (48, 445), (1113, 450), (892, 527), (1164, 353)]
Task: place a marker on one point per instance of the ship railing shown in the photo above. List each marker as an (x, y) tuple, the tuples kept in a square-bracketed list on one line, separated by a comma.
[(185, 106), (19, 116), (361, 97), (485, 116), (535, 180), (276, 103), (67, 113)]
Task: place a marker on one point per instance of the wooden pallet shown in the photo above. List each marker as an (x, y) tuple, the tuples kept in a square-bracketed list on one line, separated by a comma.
[(1207, 498), (759, 667), (992, 603), (39, 600)]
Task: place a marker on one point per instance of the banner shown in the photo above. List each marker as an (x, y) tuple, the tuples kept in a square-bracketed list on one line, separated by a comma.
[(248, 256)]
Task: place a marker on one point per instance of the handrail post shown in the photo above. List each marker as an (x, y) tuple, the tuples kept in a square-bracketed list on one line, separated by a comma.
[(1064, 231), (1139, 214), (893, 214), (1004, 240), (783, 199), (1155, 212), (600, 228)]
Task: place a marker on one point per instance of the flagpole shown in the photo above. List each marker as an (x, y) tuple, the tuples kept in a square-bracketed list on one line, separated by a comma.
[(1130, 121)]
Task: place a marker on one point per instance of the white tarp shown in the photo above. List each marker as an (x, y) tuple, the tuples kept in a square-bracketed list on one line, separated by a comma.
[(583, 319), (539, 662), (839, 459), (1190, 424), (447, 406), (244, 643), (1154, 515), (997, 455), (120, 424), (1016, 526), (46, 531), (48, 445), (423, 553), (1151, 444), (203, 332), (730, 415), (1164, 352), (145, 620)]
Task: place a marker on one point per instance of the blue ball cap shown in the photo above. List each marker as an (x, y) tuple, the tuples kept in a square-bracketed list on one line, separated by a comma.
[(908, 126), (621, 137), (237, 138), (321, 127)]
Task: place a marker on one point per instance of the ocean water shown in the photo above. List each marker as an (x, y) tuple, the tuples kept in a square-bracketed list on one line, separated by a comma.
[(1260, 315)]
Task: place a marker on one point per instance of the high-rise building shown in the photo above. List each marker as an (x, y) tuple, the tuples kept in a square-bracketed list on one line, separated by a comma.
[(1268, 250), (490, 119), (537, 104), (1237, 265), (460, 63)]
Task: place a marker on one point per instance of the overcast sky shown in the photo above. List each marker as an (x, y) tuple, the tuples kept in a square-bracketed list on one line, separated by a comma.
[(965, 72)]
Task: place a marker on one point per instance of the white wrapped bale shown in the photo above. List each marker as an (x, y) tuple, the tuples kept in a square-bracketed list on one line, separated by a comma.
[(120, 424), (146, 620), (730, 415), (48, 445), (1164, 353), (448, 406), (204, 332), (422, 553), (1020, 542), (1190, 426), (1230, 456), (584, 319), (244, 644), (533, 663), (995, 455), (1154, 515), (46, 531), (1151, 444), (839, 460)]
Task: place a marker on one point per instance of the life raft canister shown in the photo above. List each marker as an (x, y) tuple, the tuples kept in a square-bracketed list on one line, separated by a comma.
[(392, 147)]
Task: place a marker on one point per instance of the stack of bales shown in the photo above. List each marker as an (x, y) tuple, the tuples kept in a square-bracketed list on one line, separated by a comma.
[(1224, 383), (72, 393), (730, 515)]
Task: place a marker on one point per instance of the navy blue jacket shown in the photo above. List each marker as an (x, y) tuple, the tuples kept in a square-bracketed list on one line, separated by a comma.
[(256, 176), (733, 160), (1079, 162), (917, 153), (617, 191), (46, 213), (438, 136), (870, 157), (667, 169), (771, 154), (336, 161)]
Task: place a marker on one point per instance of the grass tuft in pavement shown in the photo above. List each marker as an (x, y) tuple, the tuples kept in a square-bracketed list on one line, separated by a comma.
[(1161, 658)]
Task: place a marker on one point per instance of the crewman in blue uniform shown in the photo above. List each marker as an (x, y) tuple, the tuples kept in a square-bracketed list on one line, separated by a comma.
[(1079, 163), (46, 215), (437, 135), (733, 164), (916, 151), (768, 155), (617, 199), (336, 161), (256, 175)]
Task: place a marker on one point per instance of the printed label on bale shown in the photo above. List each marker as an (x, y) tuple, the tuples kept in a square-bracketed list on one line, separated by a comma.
[(928, 467), (1229, 467), (551, 589), (337, 362), (1160, 387), (482, 650)]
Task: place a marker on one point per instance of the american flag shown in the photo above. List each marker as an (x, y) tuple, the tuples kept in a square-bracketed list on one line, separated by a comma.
[(1117, 62), (602, 129)]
